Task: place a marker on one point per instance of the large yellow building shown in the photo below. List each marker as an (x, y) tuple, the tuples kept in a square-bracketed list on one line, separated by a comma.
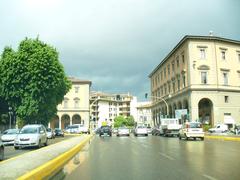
[(201, 74), (75, 107)]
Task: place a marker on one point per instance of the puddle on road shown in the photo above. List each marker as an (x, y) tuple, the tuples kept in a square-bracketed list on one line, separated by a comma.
[(72, 164)]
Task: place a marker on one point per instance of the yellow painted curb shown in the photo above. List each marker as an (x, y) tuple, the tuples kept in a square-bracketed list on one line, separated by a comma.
[(48, 169), (224, 138)]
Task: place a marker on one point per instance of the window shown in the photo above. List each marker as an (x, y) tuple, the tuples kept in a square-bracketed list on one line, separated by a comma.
[(225, 78), (202, 53), (178, 84), (169, 88), (184, 80), (173, 67), (65, 103), (173, 84), (183, 59), (76, 103), (239, 57), (168, 69), (226, 99), (223, 55), (204, 77), (165, 73), (177, 61), (76, 89)]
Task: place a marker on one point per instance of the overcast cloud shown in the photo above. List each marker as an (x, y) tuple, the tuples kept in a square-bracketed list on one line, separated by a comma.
[(115, 43)]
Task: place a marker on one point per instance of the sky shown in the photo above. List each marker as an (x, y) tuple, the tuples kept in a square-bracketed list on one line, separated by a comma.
[(115, 44)]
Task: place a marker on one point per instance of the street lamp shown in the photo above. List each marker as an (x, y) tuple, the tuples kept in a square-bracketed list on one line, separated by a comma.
[(10, 117), (169, 96)]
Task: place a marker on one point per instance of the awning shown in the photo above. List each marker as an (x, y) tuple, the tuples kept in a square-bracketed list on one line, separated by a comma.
[(228, 120)]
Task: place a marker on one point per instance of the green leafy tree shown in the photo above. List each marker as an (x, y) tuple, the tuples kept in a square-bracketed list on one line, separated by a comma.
[(32, 80), (130, 121), (119, 121)]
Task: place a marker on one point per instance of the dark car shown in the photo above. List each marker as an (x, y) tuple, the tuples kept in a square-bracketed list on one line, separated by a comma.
[(1, 151), (59, 132), (105, 130)]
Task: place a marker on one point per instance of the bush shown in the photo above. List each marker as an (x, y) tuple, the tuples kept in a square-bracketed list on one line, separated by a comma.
[(206, 127)]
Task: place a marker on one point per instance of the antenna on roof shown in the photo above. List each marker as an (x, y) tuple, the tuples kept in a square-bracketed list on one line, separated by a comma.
[(210, 33)]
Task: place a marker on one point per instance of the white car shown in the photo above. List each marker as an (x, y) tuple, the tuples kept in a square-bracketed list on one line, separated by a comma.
[(123, 131), (1, 151), (31, 136), (220, 128), (191, 130), (141, 130), (9, 136)]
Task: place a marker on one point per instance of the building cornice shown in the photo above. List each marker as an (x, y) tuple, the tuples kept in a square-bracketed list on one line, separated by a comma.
[(191, 37)]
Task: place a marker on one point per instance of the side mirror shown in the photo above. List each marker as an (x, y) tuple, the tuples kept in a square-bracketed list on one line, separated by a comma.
[(41, 132)]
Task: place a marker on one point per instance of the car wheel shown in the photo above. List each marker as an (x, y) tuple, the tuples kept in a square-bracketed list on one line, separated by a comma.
[(39, 144), (146, 134), (16, 147), (202, 138), (186, 137), (179, 137), (2, 153), (46, 143)]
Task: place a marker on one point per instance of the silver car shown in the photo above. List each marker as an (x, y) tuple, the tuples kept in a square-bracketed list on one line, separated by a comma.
[(1, 151), (9, 136), (141, 130), (31, 136), (123, 131)]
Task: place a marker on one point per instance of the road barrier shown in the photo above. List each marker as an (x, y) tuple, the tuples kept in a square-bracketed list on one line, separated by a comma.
[(51, 167)]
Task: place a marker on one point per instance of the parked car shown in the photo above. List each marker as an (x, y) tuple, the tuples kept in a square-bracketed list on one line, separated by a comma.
[(58, 132), (50, 133), (1, 151), (105, 130), (123, 131), (191, 130), (149, 130), (31, 136), (77, 128), (220, 128), (9, 136), (140, 130), (156, 131)]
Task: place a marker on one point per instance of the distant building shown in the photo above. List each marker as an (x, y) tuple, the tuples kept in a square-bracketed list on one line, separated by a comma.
[(202, 75), (75, 107), (144, 114), (105, 107)]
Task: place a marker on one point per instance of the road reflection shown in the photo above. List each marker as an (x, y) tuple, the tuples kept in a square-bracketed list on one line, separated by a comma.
[(72, 164)]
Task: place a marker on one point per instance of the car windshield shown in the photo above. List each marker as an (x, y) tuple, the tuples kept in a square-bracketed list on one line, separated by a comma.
[(11, 131), (195, 125), (29, 130)]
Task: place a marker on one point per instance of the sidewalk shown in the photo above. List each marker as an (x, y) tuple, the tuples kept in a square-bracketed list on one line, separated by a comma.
[(15, 167)]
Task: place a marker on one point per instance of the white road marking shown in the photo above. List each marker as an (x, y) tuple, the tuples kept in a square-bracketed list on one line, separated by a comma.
[(209, 177), (166, 156)]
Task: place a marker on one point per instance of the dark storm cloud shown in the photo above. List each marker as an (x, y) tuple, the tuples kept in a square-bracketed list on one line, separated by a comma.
[(113, 43)]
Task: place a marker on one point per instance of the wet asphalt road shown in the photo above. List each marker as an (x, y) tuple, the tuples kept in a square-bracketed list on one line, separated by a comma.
[(154, 157)]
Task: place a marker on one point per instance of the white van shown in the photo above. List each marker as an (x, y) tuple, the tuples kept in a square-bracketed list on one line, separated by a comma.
[(77, 128), (220, 128)]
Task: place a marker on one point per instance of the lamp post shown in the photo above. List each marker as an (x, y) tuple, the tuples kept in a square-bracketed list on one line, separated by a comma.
[(10, 117), (169, 96)]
